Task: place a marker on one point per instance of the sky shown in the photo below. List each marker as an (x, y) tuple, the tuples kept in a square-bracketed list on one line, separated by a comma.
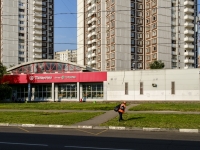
[(65, 35), (68, 34)]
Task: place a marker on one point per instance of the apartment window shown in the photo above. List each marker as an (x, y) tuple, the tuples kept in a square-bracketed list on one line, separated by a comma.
[(141, 88), (21, 16), (154, 33), (172, 87), (44, 38), (132, 49), (21, 22), (132, 12), (21, 46), (44, 15), (154, 18), (132, 27), (112, 63), (21, 10), (132, 42), (154, 41), (126, 88), (21, 4), (132, 34), (44, 9), (132, 19), (44, 3), (132, 5)]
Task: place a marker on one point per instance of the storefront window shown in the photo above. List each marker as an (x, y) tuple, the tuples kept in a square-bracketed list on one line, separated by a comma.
[(43, 92), (93, 91), (67, 91), (20, 92)]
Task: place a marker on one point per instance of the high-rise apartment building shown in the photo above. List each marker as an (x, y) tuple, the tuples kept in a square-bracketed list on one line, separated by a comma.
[(27, 31), (66, 55), (130, 34)]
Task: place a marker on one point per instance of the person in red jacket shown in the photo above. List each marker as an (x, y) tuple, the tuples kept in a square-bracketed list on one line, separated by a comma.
[(121, 110)]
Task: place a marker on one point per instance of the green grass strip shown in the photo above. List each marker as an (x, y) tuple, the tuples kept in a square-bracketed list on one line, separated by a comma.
[(174, 121), (60, 106), (167, 106), (46, 117)]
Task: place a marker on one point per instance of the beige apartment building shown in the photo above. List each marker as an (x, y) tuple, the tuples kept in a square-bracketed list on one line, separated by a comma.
[(128, 35), (66, 55), (27, 31)]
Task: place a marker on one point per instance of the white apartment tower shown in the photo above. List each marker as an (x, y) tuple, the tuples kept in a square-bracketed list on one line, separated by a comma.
[(27, 31), (130, 34), (66, 55)]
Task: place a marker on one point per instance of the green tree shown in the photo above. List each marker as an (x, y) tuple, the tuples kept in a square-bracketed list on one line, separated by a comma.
[(5, 89), (157, 64)]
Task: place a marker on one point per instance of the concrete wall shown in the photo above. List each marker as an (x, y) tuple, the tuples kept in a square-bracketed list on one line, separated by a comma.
[(80, 32), (186, 85)]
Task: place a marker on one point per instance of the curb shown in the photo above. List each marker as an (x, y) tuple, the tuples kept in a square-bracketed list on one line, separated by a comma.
[(103, 128)]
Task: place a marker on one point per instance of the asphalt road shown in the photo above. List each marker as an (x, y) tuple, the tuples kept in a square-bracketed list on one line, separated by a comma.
[(20, 138)]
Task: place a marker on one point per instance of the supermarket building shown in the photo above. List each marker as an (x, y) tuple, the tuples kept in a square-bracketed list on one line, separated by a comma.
[(52, 80)]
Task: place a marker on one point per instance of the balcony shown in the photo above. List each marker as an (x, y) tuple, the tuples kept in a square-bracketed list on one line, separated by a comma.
[(93, 61), (21, 37), (37, 15), (89, 42), (89, 35), (94, 40), (174, 60), (37, 50), (188, 3), (37, 26), (89, 1), (37, 44), (188, 24), (189, 39), (39, 32), (188, 67), (173, 16), (38, 56), (36, 2), (89, 63), (89, 56), (37, 9), (174, 53), (189, 61), (37, 20), (188, 10), (37, 38), (93, 54), (91, 13), (93, 47), (188, 17), (89, 49), (189, 32), (189, 54), (173, 45), (90, 28), (189, 46), (94, 33)]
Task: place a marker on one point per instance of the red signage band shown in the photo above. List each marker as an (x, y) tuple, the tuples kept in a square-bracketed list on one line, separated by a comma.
[(56, 78)]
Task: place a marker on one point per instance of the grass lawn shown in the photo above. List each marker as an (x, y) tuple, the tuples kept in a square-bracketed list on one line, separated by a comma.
[(61, 106), (45, 118), (157, 121), (176, 106)]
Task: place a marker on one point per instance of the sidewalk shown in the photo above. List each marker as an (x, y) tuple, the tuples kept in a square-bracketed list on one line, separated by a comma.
[(102, 118)]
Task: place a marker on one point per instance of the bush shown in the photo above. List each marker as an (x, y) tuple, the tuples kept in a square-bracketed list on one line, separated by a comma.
[(5, 91)]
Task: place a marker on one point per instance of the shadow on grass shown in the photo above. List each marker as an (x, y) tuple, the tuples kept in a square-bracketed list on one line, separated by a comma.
[(134, 118)]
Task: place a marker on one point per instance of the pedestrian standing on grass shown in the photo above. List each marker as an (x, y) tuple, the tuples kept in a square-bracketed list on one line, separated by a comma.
[(121, 110)]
